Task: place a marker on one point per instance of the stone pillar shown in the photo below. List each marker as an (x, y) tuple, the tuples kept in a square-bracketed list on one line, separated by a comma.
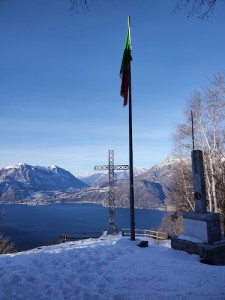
[(198, 181), (200, 224)]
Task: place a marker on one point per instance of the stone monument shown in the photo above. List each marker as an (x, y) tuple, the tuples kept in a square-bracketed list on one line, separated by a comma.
[(202, 229), (200, 224)]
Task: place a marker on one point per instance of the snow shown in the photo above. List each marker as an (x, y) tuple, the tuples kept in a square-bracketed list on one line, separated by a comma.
[(190, 239), (111, 267), (139, 171), (53, 168), (171, 160), (85, 175), (16, 166)]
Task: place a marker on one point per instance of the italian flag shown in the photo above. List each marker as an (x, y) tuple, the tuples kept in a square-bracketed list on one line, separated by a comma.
[(125, 68)]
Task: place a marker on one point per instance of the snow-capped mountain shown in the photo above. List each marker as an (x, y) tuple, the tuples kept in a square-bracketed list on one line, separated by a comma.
[(162, 172), (22, 180), (100, 178), (152, 187), (39, 185), (95, 178)]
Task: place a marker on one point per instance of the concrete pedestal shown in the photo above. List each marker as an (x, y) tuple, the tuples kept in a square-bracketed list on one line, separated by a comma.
[(203, 226), (202, 236)]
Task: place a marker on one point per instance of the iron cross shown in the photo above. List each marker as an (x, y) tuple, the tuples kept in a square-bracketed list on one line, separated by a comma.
[(111, 168)]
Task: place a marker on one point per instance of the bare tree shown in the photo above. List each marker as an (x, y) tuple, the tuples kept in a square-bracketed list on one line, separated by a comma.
[(77, 4), (208, 106), (221, 193), (172, 224), (203, 8), (182, 185), (6, 246)]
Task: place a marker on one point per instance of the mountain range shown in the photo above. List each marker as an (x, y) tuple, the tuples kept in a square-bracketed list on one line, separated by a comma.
[(99, 178), (34, 185), (22, 182)]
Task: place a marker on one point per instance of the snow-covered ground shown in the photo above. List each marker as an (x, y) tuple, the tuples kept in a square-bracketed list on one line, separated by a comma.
[(111, 267)]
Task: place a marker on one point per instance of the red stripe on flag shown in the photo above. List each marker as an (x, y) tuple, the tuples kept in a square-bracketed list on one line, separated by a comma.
[(125, 86)]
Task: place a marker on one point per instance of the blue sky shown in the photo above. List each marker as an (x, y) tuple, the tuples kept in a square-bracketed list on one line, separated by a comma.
[(60, 84)]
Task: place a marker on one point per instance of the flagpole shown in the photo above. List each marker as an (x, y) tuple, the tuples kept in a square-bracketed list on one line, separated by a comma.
[(132, 214)]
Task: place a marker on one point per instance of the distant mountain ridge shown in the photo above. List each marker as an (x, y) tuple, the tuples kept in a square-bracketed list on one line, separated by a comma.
[(22, 181), (39, 185), (99, 178), (152, 188)]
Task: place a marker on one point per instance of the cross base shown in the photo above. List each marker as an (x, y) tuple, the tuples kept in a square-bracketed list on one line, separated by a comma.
[(112, 229)]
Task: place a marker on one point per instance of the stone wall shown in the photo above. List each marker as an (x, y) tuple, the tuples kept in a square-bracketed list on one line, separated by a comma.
[(210, 254)]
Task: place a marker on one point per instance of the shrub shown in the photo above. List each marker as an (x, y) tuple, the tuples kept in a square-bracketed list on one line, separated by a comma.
[(6, 246)]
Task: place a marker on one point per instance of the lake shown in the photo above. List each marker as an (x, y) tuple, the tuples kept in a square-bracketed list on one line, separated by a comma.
[(32, 226)]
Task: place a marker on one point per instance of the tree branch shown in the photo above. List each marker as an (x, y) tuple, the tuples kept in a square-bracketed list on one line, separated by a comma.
[(77, 4), (203, 8)]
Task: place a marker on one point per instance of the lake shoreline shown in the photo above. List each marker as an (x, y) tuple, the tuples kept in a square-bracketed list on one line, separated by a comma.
[(76, 203)]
